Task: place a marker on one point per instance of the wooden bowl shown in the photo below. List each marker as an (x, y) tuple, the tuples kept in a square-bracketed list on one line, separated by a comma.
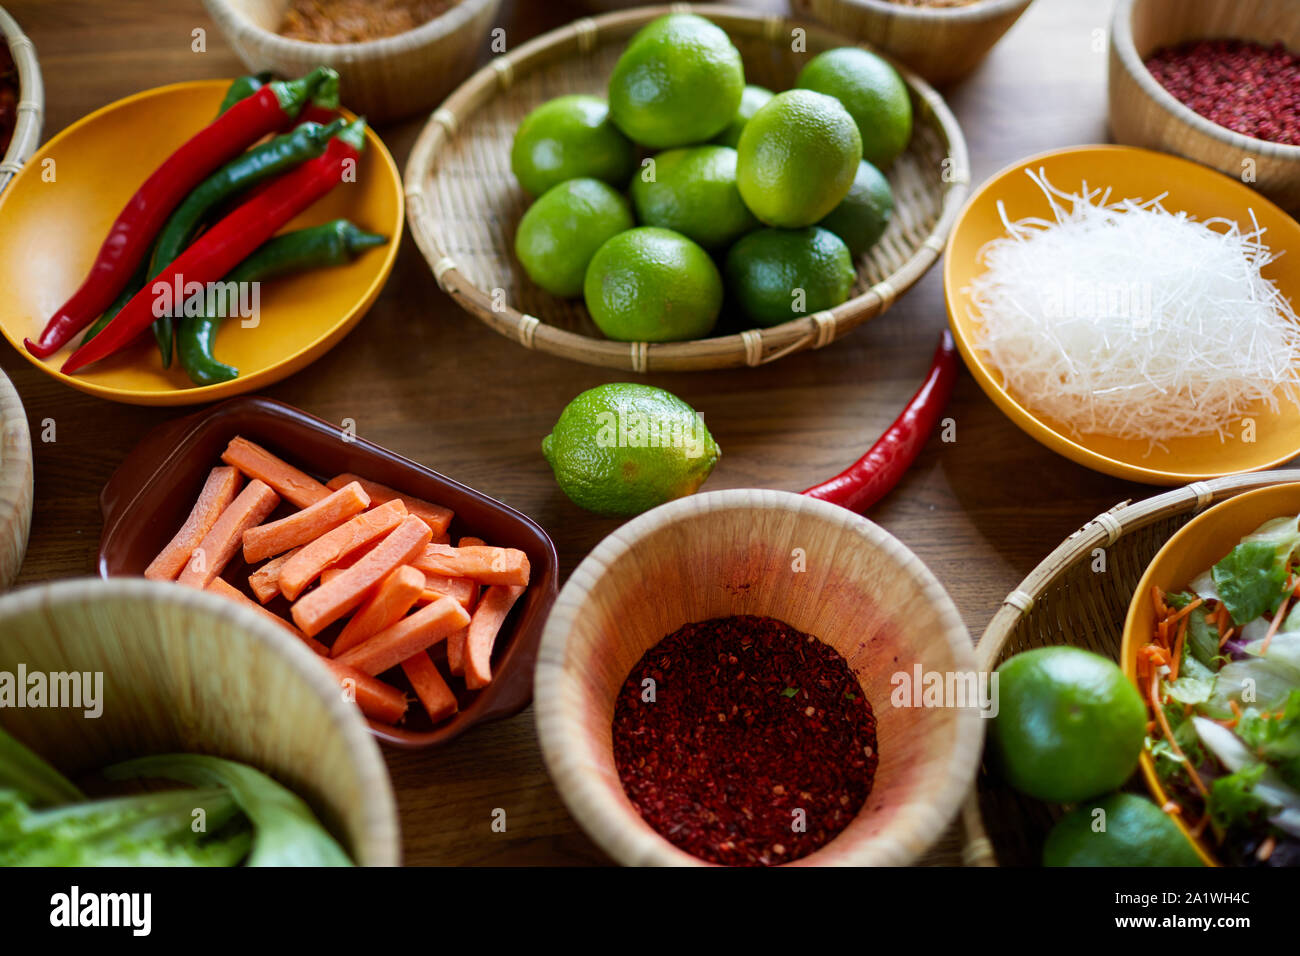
[(15, 482), (154, 488), (1197, 546), (186, 671), (464, 202), (385, 79), (51, 236), (1080, 594), (730, 552), (1133, 173), (31, 99), (1144, 113), (942, 44)]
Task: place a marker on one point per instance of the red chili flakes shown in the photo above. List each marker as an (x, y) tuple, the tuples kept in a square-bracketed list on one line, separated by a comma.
[(1246, 87), (751, 722)]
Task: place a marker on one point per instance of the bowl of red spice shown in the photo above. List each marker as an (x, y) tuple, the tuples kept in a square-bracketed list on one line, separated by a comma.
[(395, 58), (1216, 81), (737, 678)]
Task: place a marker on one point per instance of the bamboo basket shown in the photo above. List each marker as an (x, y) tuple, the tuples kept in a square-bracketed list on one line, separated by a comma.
[(1065, 601), (31, 99), (463, 202), (15, 482)]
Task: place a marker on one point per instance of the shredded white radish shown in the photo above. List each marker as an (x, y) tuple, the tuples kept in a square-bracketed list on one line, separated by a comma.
[(1125, 319)]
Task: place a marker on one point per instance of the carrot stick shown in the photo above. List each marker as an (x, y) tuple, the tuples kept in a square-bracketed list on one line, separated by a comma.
[(218, 492), (1178, 650), (265, 581), (430, 687), (1187, 609), (483, 628), (296, 487), (220, 586), (1273, 628), (377, 700), (1169, 734), (318, 610), (396, 595), (222, 541), (276, 537), (407, 637), (485, 565), (435, 516), (461, 590), (456, 642), (333, 546)]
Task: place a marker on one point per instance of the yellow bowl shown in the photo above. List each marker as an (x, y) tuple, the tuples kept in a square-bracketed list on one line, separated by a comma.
[(1198, 545), (56, 212), (1130, 173)]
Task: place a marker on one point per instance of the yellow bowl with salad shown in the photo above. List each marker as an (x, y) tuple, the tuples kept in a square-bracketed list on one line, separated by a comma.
[(1219, 601)]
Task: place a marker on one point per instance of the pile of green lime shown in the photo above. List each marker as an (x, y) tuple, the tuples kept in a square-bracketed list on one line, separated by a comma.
[(1069, 729), (688, 188)]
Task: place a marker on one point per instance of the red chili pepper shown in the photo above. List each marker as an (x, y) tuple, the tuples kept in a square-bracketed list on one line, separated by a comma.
[(872, 476), (229, 242), (268, 110)]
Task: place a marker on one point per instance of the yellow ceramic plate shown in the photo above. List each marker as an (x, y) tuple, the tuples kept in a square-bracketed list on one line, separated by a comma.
[(1130, 173), (56, 212), (1198, 545)]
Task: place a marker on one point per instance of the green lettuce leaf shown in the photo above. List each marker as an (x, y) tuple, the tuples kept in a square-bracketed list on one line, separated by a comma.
[(1233, 800)]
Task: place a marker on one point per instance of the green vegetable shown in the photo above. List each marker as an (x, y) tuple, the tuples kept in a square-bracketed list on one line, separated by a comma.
[(1233, 800), (1276, 739), (1202, 643), (34, 780), (1258, 682), (287, 833), (1167, 762), (1251, 579), (243, 88)]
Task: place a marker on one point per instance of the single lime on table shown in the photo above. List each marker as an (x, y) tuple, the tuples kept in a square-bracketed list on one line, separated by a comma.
[(1121, 829), (679, 81), (776, 275), (752, 100), (863, 215), (1070, 725), (653, 285), (560, 232), (693, 191), (621, 449), (569, 138), (797, 158), (873, 93)]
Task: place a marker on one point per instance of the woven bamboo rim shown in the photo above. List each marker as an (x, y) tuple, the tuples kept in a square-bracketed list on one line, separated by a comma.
[(933, 175), (31, 99), (1064, 601), (15, 482)]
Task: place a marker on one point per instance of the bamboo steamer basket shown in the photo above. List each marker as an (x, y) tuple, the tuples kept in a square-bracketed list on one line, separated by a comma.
[(729, 553), (187, 671), (31, 99), (1144, 113), (463, 202), (1078, 595), (942, 44), (385, 79), (15, 482)]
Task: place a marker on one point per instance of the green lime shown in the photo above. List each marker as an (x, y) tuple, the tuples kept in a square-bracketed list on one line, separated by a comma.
[(861, 217), (1070, 725), (693, 191), (568, 138), (678, 82), (653, 285), (775, 275), (797, 158), (872, 91), (751, 101), (1118, 830), (621, 449), (560, 233)]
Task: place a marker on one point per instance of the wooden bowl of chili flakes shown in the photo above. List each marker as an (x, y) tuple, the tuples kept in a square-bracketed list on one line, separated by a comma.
[(704, 663), (395, 58)]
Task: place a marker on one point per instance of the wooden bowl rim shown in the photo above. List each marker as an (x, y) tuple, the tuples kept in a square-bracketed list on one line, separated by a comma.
[(31, 98), (16, 473), (382, 846), (1121, 41), (608, 822), (750, 348), (972, 12), (441, 27)]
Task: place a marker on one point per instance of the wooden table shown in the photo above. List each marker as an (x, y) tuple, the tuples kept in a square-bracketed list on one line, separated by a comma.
[(981, 511)]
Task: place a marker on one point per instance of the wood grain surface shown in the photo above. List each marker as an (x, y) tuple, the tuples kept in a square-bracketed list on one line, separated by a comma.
[(429, 382)]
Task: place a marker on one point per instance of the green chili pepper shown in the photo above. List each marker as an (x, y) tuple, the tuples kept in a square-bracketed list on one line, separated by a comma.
[(243, 87), (332, 244)]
